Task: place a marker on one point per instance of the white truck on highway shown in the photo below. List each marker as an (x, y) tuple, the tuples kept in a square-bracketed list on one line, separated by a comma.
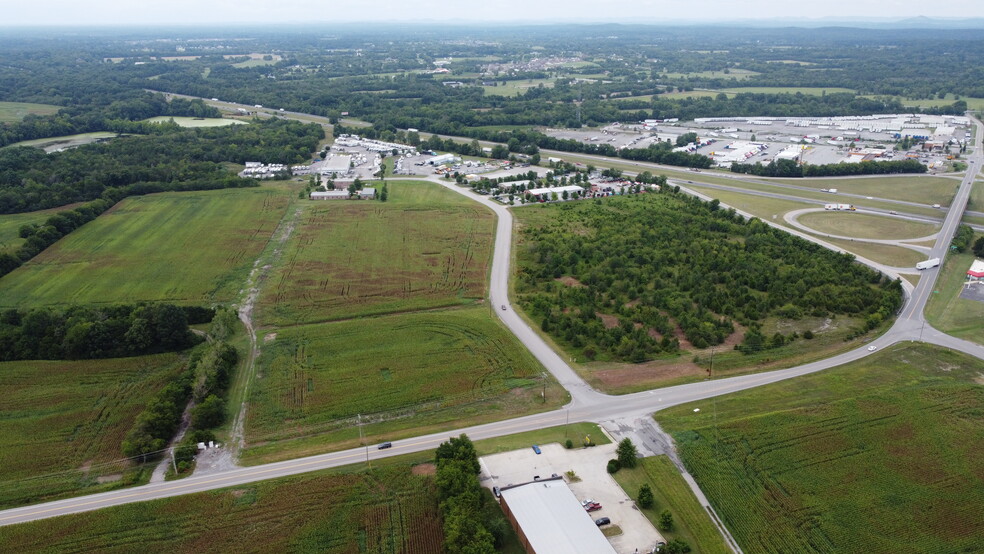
[(932, 262), (841, 207)]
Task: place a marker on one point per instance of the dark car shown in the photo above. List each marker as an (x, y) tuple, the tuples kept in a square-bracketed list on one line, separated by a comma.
[(385, 445), (496, 492), (602, 521)]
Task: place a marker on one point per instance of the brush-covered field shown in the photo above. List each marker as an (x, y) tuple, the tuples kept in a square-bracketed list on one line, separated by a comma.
[(180, 247), (427, 247), (881, 455), (63, 422), (10, 225), (381, 511)]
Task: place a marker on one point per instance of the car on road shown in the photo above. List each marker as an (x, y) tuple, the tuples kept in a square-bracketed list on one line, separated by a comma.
[(536, 448), (503, 307), (602, 521), (385, 445), (872, 348)]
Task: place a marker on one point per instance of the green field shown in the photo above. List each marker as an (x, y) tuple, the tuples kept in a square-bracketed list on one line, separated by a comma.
[(427, 247), (759, 206), (972, 103), (865, 226), (385, 510), (400, 372), (739, 74), (976, 202), (63, 423), (690, 94), (180, 247), (928, 190), (11, 112), (813, 91), (881, 455), (894, 256), (691, 522), (10, 225), (515, 88), (52, 144), (948, 312), (197, 121)]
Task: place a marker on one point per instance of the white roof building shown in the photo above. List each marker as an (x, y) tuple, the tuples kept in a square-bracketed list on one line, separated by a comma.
[(329, 195), (571, 189), (550, 520)]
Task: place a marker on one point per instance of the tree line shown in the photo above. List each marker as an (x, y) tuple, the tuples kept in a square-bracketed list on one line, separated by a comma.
[(472, 523), (640, 267), (88, 332), (790, 168)]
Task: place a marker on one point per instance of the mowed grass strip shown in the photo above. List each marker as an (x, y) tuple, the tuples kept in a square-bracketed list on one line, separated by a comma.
[(400, 372), (865, 226), (960, 317), (894, 256), (880, 455), (691, 522), (383, 510), (928, 190), (180, 247), (427, 247), (63, 422)]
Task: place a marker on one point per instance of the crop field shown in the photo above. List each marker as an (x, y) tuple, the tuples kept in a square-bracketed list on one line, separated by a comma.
[(197, 121), (427, 247), (928, 190), (16, 111), (10, 225), (398, 371), (180, 247), (880, 455), (63, 422), (948, 312), (379, 512), (865, 226), (691, 522)]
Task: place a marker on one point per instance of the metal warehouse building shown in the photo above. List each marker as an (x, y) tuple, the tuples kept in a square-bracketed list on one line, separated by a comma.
[(549, 519)]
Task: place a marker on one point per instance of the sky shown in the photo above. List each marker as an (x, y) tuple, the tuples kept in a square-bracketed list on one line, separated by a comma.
[(151, 12)]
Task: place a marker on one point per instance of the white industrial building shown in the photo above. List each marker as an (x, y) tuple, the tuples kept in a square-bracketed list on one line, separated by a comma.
[(329, 195), (570, 189), (442, 159), (549, 520)]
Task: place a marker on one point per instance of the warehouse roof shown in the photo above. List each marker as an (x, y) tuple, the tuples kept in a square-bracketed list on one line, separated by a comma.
[(553, 520)]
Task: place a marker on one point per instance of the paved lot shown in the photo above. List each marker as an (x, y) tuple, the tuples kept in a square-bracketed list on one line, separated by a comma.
[(520, 466), (973, 292)]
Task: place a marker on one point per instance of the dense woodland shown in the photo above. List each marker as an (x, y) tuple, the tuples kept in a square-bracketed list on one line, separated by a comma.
[(86, 332), (654, 262)]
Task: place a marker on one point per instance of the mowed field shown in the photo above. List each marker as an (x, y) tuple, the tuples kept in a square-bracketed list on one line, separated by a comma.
[(865, 226), (960, 317), (881, 455), (180, 247), (16, 111), (427, 247), (928, 190), (381, 511), (399, 372), (63, 422)]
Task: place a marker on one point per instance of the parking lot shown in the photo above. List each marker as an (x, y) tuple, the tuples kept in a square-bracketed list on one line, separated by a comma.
[(589, 464)]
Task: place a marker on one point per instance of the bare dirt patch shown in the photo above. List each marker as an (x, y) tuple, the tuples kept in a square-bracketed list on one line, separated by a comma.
[(269, 337), (979, 379), (609, 321), (424, 469), (629, 375), (571, 282)]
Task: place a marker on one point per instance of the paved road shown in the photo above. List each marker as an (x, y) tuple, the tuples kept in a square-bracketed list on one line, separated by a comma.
[(586, 405)]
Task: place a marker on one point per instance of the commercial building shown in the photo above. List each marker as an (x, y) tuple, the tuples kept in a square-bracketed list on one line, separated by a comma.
[(442, 159), (569, 189), (548, 519), (976, 271), (329, 195)]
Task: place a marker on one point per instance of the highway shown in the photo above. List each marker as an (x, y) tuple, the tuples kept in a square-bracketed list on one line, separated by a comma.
[(586, 403)]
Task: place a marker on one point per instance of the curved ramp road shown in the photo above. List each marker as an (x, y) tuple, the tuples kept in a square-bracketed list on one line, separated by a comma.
[(587, 404)]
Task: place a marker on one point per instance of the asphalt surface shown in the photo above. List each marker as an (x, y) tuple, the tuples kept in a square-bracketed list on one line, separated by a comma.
[(586, 403)]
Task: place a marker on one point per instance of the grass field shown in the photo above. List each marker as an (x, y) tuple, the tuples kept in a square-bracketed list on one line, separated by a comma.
[(515, 88), (759, 206), (976, 202), (691, 522), (739, 74), (881, 455), (11, 112), (690, 94), (385, 510), (68, 141), (811, 91), (972, 103), (400, 372), (181, 247), (10, 225), (948, 312), (928, 190), (197, 122), (63, 423), (895, 256), (427, 247), (865, 226)]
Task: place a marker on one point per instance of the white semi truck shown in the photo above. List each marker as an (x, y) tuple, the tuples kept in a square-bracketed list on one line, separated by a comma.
[(932, 262)]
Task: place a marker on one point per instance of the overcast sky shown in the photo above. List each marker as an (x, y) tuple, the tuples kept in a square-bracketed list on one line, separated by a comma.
[(126, 12)]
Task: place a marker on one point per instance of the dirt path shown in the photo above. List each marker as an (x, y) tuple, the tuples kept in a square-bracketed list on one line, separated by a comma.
[(161, 469), (261, 268)]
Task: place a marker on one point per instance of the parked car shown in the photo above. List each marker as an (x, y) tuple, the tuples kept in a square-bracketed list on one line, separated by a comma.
[(496, 491), (536, 448), (594, 506), (602, 521), (586, 502), (385, 445)]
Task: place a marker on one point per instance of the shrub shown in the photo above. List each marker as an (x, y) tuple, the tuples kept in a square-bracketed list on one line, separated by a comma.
[(645, 497), (666, 521), (569, 444), (613, 466)]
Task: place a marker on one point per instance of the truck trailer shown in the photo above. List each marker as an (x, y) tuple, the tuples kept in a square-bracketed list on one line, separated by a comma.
[(932, 262), (841, 207)]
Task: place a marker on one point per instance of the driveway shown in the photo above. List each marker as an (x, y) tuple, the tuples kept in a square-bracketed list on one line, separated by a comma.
[(589, 464)]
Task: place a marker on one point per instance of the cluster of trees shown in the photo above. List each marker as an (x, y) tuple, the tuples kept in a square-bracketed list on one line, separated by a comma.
[(86, 332), (963, 237), (979, 247), (39, 237), (790, 168), (472, 524), (173, 159), (204, 382), (638, 268)]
